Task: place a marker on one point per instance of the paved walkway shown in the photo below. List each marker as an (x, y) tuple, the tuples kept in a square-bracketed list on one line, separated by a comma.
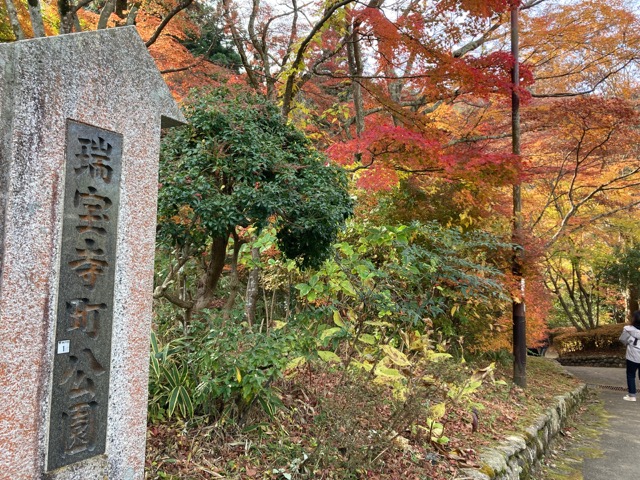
[(620, 441)]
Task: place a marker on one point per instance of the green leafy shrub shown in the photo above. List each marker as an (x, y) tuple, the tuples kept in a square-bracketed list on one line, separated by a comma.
[(386, 280)]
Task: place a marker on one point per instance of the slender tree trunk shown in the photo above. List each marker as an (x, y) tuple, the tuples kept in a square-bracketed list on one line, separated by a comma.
[(259, 44), (209, 281), (253, 289), (272, 307), (133, 13), (267, 318), (186, 321), (13, 19), (68, 13), (105, 14), (235, 281), (631, 301), (355, 70), (36, 18), (76, 23), (230, 16), (519, 321), (287, 299)]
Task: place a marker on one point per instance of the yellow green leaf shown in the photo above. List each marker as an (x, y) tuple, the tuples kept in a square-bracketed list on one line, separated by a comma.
[(429, 379), (436, 428), (364, 365), (328, 356), (378, 323), (396, 356), (368, 339), (295, 363), (278, 324), (329, 332), (436, 357), (388, 372), (437, 411), (238, 375)]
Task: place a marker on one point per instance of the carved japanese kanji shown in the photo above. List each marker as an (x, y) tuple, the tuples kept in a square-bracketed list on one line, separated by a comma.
[(85, 303)]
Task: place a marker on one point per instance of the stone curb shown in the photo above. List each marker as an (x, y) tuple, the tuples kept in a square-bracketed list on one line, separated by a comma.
[(515, 457), (594, 361)]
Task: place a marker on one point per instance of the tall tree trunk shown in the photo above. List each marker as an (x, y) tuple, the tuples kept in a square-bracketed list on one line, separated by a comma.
[(259, 44), (68, 13), (66, 20), (76, 23), (287, 298), (518, 309), (36, 18), (253, 289), (13, 19), (230, 16)]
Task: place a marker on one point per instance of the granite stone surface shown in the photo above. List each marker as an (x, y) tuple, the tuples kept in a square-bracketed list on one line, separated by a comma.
[(108, 80)]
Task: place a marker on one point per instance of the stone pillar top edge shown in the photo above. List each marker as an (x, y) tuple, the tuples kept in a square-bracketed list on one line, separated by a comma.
[(112, 40)]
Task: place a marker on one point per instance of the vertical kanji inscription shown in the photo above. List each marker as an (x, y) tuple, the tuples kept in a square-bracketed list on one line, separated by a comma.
[(80, 387)]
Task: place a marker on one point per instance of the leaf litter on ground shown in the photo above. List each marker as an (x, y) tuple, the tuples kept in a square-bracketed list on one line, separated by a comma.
[(332, 428)]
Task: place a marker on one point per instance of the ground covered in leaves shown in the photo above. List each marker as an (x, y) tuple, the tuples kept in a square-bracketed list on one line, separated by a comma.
[(333, 425)]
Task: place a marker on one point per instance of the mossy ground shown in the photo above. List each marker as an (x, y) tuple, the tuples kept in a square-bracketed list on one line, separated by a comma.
[(579, 440)]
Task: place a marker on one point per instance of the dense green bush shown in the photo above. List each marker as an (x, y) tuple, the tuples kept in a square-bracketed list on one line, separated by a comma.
[(239, 164)]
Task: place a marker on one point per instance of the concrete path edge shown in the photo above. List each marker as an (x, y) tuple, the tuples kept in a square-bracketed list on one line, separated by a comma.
[(516, 456)]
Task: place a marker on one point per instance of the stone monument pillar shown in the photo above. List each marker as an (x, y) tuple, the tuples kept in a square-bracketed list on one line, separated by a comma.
[(80, 120)]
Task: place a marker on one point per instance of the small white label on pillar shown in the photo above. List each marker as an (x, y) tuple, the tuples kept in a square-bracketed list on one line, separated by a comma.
[(63, 346)]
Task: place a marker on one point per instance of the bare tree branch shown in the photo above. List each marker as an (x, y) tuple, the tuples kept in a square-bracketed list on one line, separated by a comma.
[(239, 43), (133, 13), (588, 91), (290, 85), (181, 6)]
